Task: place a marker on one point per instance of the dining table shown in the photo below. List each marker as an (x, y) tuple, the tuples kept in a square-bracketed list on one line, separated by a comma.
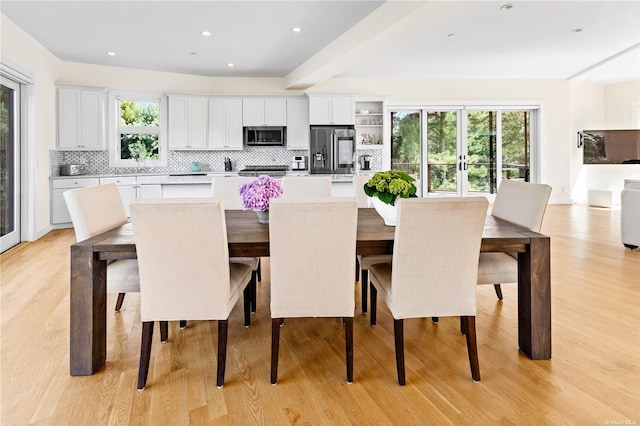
[(249, 238)]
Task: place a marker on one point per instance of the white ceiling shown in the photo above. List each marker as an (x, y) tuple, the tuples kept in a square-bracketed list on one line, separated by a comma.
[(423, 39)]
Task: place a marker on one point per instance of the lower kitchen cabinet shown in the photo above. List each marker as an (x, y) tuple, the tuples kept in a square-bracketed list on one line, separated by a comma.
[(183, 190)]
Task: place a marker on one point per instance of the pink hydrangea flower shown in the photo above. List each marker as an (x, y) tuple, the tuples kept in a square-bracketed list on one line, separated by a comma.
[(255, 195)]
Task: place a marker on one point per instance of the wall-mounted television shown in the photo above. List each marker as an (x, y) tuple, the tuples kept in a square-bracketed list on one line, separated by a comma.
[(610, 146)]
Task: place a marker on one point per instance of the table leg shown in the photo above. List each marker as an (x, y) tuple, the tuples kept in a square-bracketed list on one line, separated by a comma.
[(88, 332), (534, 298)]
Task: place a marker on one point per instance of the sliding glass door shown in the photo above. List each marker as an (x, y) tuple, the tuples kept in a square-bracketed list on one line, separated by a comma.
[(9, 164), (462, 151)]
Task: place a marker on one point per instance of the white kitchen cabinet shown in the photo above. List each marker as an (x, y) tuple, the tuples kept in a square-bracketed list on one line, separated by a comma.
[(369, 124), (188, 122), (59, 211), (331, 109), (298, 124), (264, 112), (81, 118), (225, 124), (186, 190)]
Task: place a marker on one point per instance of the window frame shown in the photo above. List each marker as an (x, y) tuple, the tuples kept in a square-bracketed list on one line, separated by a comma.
[(115, 129)]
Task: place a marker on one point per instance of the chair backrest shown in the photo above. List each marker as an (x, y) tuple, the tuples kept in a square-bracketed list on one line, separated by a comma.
[(306, 186), (522, 203), (313, 252), (228, 189), (358, 182), (183, 258), (95, 209), (435, 256)]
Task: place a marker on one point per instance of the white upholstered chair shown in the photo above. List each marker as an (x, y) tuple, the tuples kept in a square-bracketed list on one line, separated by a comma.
[(185, 273), (518, 202), (228, 189), (306, 186), (365, 262), (95, 210), (434, 267), (312, 247)]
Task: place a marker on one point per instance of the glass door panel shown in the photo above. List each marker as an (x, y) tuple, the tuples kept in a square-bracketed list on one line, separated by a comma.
[(516, 144), (406, 146), (482, 151), (442, 152), (9, 165)]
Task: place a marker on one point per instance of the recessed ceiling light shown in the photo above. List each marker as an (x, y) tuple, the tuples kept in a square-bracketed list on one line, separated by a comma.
[(506, 6), (111, 53), (296, 29), (230, 65), (451, 35), (576, 30), (193, 53), (206, 33)]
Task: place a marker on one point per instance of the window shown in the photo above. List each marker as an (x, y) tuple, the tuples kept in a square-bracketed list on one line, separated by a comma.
[(138, 125)]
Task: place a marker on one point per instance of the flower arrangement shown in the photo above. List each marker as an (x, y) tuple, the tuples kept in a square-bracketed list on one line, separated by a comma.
[(388, 186), (255, 195)]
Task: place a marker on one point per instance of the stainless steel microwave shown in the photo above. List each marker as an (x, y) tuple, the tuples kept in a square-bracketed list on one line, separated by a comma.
[(265, 136)]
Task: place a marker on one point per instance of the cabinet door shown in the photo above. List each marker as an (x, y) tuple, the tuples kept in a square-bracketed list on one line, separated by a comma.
[(298, 124), (178, 122), (234, 124), (343, 110), (149, 191), (320, 110), (253, 112), (59, 210), (92, 119), (275, 112), (197, 122), (68, 118)]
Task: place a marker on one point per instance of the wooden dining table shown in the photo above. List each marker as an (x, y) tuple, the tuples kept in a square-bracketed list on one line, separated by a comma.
[(248, 238)]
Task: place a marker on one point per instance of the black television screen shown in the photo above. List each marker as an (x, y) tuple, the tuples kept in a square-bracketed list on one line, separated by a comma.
[(610, 146)]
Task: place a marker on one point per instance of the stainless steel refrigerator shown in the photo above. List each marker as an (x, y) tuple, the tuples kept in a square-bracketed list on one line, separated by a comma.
[(332, 150)]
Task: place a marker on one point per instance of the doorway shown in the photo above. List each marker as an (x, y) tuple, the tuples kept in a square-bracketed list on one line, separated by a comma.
[(463, 151)]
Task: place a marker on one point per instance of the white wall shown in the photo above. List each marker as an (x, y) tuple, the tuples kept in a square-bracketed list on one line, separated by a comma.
[(23, 50), (622, 101)]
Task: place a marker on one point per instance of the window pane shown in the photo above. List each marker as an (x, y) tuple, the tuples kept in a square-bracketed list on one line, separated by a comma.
[(405, 144), (8, 144), (138, 113), (481, 141), (138, 146), (515, 144), (442, 140)]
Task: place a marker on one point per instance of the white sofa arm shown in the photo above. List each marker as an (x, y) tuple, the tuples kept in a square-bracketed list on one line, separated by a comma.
[(630, 217)]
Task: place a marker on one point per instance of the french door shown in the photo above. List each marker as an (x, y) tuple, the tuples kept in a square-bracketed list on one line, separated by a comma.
[(9, 163), (462, 151)]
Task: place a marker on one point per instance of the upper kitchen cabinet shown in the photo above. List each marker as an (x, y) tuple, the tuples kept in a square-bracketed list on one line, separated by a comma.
[(81, 118), (331, 109), (369, 123), (264, 112), (298, 123), (188, 119), (225, 124)]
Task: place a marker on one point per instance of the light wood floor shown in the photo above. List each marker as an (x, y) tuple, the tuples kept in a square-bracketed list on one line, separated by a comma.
[(593, 377)]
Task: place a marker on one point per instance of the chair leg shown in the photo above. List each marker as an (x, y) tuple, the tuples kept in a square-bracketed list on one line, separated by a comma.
[(183, 324), (364, 284), (472, 347), (222, 351), (145, 354), (259, 271), (435, 319), (164, 331), (463, 326), (373, 302), (348, 334), (119, 301), (498, 290), (398, 331), (254, 291), (247, 296), (275, 346), (357, 270)]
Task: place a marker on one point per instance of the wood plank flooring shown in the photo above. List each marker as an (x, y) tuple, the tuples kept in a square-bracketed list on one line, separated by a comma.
[(592, 378)]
